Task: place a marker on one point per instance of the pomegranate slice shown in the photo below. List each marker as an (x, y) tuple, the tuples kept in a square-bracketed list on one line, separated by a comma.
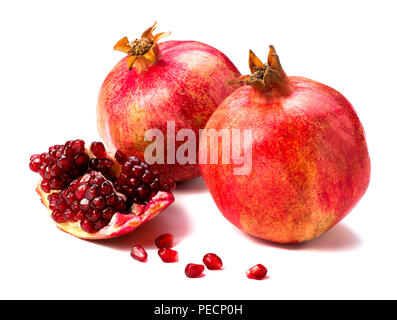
[(90, 207)]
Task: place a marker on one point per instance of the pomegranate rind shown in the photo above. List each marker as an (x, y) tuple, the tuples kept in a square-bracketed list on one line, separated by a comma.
[(120, 224)]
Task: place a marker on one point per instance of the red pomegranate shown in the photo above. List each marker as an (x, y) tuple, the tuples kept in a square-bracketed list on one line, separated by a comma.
[(179, 82), (310, 163)]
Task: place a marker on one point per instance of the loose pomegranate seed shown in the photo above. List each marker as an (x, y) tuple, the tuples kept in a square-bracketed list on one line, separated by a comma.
[(257, 272), (212, 261), (86, 204), (168, 255), (98, 149), (193, 270), (139, 253), (164, 241)]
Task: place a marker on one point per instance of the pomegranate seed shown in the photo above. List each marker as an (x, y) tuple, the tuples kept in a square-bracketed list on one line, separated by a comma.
[(164, 241), (106, 188), (111, 199), (108, 213), (35, 164), (257, 272), (168, 255), (81, 190), (84, 204), (92, 192), (87, 226), (139, 253), (34, 156), (170, 183), (147, 177), (120, 156), (212, 261), (45, 186), (193, 270), (68, 214), (98, 149), (100, 224), (62, 205), (137, 171), (98, 203), (143, 191), (58, 217), (78, 145), (94, 215)]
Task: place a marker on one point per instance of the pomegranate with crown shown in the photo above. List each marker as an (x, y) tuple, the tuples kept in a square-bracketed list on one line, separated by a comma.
[(177, 82)]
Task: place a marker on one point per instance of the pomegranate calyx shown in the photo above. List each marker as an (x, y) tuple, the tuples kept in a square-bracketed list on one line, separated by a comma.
[(269, 77), (142, 52)]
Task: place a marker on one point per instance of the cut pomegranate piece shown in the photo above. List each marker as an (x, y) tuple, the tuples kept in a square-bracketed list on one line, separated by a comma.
[(164, 241), (257, 272), (139, 253), (83, 201), (193, 270), (168, 255), (212, 261)]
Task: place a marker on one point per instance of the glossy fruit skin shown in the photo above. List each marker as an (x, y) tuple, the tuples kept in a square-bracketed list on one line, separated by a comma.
[(185, 85), (310, 162)]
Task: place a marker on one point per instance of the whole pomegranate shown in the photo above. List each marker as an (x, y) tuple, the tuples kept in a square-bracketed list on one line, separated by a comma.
[(179, 83), (310, 163)]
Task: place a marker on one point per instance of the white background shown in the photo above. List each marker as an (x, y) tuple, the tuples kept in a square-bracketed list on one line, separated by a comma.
[(54, 57)]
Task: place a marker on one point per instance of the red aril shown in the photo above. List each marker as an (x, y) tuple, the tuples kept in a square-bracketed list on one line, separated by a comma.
[(193, 270), (257, 272), (164, 241), (139, 253), (212, 261), (168, 255)]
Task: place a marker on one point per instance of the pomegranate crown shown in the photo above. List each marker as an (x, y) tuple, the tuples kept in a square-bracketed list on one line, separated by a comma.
[(141, 52), (268, 77)]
